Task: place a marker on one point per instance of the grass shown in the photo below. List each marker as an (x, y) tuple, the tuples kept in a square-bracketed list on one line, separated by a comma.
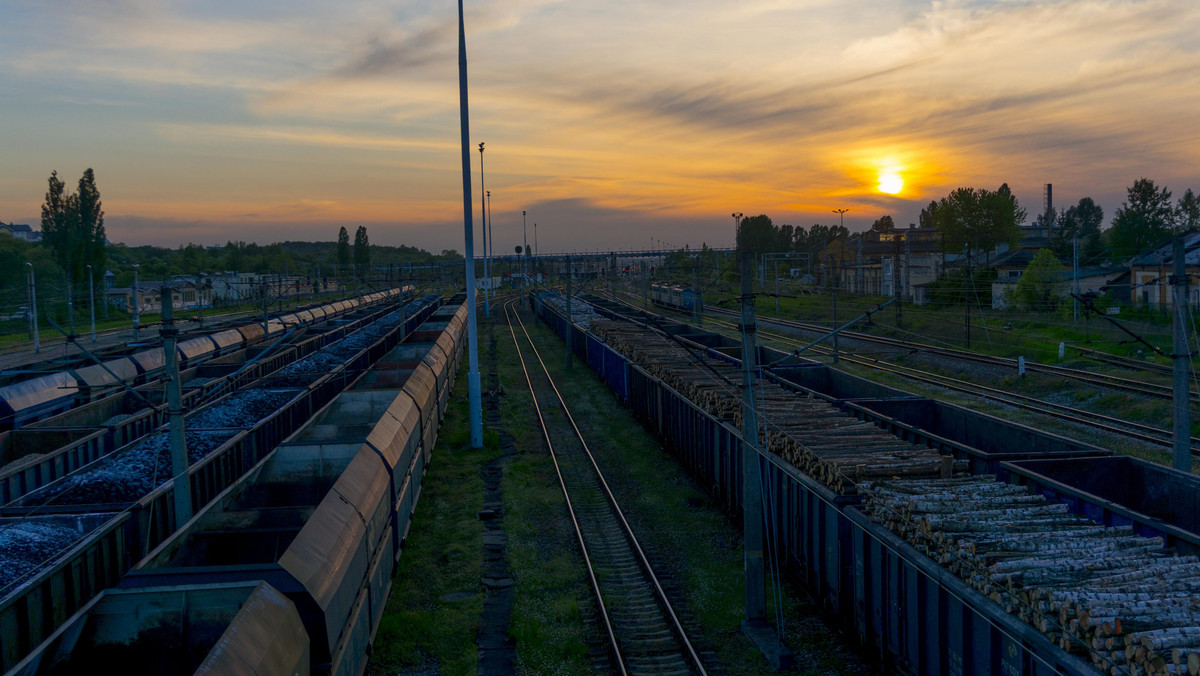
[(683, 530), (421, 629), (550, 586)]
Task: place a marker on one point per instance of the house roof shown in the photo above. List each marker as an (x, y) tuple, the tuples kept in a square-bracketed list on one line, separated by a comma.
[(1166, 253)]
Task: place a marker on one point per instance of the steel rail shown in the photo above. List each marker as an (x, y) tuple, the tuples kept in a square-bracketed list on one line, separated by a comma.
[(1114, 382), (1099, 421), (675, 625)]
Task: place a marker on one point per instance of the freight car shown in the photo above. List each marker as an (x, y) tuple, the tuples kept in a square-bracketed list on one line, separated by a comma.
[(26, 401), (675, 296), (95, 553), (921, 606), (321, 518)]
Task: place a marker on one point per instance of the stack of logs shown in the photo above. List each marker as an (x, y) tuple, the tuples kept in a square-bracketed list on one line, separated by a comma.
[(817, 438), (1121, 599)]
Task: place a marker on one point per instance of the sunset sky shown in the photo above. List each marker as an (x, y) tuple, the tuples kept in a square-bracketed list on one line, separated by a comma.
[(611, 122)]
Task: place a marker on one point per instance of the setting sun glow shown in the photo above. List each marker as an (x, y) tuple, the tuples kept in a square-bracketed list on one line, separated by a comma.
[(891, 183)]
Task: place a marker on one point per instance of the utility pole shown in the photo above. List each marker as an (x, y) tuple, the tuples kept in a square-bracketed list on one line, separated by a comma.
[(1181, 359), (37, 343), (858, 273), (836, 351), (137, 302), (570, 322), (179, 455), (92, 301), (612, 275), (970, 292), (755, 626), (1075, 278), (751, 487)]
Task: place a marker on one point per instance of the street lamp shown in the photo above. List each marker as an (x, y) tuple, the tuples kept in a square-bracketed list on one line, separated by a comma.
[(842, 214), (37, 343), (137, 301), (487, 309), (491, 242), (92, 301), (525, 241)]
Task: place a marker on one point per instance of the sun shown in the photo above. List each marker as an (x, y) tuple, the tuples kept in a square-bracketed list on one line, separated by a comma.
[(890, 183)]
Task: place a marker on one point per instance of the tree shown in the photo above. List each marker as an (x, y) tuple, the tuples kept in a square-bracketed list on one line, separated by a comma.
[(883, 224), (926, 219), (1002, 220), (91, 225), (756, 234), (1081, 220), (977, 218), (73, 227), (362, 252), (1035, 288), (1187, 214), (1143, 221), (343, 249)]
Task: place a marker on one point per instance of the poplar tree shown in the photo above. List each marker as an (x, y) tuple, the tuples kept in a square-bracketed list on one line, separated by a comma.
[(343, 250), (362, 251)]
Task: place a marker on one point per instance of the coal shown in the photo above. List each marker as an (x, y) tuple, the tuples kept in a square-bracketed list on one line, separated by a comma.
[(241, 410), (127, 476), (25, 546)]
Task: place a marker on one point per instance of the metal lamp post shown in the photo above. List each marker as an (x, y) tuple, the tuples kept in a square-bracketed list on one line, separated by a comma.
[(37, 343), (92, 301), (487, 309), (491, 243), (525, 242), (474, 393)]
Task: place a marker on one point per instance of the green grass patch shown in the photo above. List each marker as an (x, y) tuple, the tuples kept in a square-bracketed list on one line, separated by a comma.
[(420, 628)]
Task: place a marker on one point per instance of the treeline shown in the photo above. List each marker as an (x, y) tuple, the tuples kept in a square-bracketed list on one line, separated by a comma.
[(979, 220), (74, 247)]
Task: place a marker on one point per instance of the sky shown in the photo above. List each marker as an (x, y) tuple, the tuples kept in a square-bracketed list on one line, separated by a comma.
[(614, 125)]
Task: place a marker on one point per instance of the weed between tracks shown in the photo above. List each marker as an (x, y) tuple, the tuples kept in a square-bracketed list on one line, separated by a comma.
[(696, 551), (432, 618)]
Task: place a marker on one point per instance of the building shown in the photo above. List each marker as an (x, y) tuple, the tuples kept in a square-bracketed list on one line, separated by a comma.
[(21, 232), (186, 294), (891, 262), (1150, 273)]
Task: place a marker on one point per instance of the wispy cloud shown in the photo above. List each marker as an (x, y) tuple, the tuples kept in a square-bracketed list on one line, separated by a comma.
[(659, 109)]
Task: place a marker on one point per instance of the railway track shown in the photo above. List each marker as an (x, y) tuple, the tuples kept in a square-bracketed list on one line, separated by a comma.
[(1156, 390), (643, 633), (1098, 421), (1105, 423), (1080, 375)]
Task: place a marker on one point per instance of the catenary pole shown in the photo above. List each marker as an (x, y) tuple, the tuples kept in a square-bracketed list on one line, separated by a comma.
[(1181, 358)]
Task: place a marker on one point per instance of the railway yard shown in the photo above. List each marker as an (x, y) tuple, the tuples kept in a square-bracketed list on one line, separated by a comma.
[(925, 510)]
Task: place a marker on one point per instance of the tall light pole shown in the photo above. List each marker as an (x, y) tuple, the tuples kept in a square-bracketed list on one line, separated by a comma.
[(474, 395), (535, 246), (37, 343), (491, 242), (137, 302), (487, 308), (92, 301), (842, 215), (525, 242)]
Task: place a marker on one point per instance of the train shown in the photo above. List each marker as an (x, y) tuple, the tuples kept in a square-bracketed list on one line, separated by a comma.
[(296, 488), (46, 395), (675, 296), (897, 597)]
